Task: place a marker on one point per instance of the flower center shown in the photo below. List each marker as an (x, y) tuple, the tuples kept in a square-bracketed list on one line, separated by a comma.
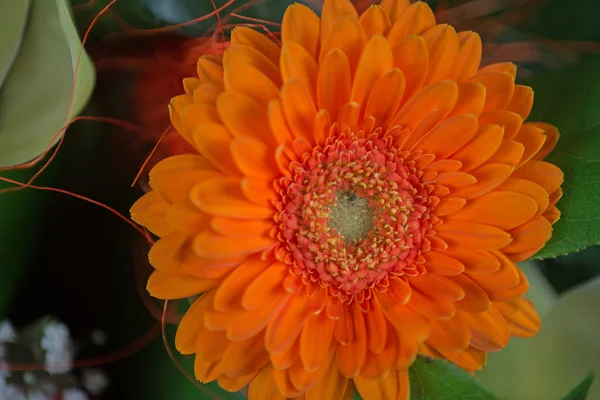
[(352, 215)]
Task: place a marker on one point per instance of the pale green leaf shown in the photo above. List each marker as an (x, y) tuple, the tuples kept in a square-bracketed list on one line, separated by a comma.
[(35, 97), (13, 18), (548, 366)]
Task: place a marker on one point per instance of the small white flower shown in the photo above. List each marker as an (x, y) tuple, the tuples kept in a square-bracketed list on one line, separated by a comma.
[(74, 394), (7, 332), (56, 336), (59, 361), (95, 381)]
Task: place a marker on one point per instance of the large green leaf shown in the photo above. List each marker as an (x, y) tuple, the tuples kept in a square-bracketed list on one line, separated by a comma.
[(570, 99), (440, 380), (35, 96)]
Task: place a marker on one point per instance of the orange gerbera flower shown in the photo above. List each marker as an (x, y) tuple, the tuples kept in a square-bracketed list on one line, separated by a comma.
[(361, 195)]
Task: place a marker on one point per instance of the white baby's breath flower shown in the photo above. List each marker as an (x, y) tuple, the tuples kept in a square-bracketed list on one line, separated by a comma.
[(59, 361), (7, 332), (74, 394), (94, 381), (56, 336)]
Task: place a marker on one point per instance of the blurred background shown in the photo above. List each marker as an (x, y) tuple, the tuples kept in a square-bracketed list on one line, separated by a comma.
[(71, 259)]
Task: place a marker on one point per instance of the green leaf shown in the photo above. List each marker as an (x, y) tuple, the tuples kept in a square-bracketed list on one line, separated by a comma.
[(570, 99), (34, 99), (440, 380), (582, 390), (14, 18)]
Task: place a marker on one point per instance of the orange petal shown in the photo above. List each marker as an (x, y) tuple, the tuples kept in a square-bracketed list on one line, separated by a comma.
[(175, 186), (191, 324), (470, 359), (285, 385), (248, 55), (547, 175), (279, 126), (287, 358), (258, 191), (472, 235), (334, 82), (449, 136), (488, 176), (471, 99), (261, 289), (253, 157), (499, 89), (368, 72), (332, 386), (244, 357), (437, 287), (155, 219), (213, 142), (302, 379), (449, 205), (376, 327), (489, 331), (451, 334), (206, 371), (505, 210), (244, 116), (240, 227), (440, 96), (396, 386), (440, 263), (210, 70), (505, 67), (351, 357), (283, 330), (228, 296), (196, 115), (210, 245), (410, 326), (223, 197), (416, 19), (394, 8), (297, 62), (235, 384), (375, 21), (475, 262), (523, 320), (430, 307), (205, 93), (509, 153), (506, 277), (301, 25), (378, 365), (249, 81), (242, 35), (170, 287), (443, 46), (476, 299), (552, 136), (348, 36), (246, 325), (299, 108), (483, 146), (552, 215), (412, 58), (263, 386), (316, 340), (521, 101), (531, 236), (331, 12), (517, 291), (533, 190), (469, 56), (509, 120), (532, 139)]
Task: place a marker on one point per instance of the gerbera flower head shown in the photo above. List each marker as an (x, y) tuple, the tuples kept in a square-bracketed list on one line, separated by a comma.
[(360, 196)]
